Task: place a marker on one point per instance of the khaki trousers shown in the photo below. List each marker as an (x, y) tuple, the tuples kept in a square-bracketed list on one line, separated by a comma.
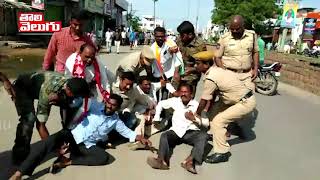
[(224, 116)]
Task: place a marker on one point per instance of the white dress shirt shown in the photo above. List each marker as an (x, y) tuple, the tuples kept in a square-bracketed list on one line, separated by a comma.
[(169, 61), (108, 36), (180, 124)]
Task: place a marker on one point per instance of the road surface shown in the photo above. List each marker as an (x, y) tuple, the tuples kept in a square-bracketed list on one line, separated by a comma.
[(286, 144)]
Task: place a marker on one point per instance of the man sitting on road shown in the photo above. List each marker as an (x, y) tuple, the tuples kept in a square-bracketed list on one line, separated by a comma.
[(123, 88), (81, 141), (185, 129)]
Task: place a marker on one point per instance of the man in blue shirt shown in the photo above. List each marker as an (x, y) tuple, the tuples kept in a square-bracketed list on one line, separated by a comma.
[(81, 141)]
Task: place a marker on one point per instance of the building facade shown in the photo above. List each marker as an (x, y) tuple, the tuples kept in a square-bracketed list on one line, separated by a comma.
[(147, 23)]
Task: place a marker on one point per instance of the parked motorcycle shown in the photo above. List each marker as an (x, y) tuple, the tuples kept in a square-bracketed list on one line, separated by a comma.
[(267, 80)]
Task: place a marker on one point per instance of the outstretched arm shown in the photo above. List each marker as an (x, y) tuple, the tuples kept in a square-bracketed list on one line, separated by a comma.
[(8, 86)]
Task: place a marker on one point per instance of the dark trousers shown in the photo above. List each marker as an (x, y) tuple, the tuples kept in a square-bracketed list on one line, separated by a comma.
[(80, 155), (25, 109), (169, 139)]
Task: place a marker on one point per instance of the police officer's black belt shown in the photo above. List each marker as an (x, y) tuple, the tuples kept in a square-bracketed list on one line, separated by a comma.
[(239, 70), (247, 96)]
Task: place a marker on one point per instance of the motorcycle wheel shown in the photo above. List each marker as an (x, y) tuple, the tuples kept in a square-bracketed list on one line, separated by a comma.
[(267, 84)]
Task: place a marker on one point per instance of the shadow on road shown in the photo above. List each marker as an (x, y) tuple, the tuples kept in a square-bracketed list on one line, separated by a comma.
[(7, 168), (247, 125)]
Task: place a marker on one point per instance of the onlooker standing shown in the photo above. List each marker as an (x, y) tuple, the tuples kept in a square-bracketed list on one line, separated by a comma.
[(261, 45), (65, 42), (108, 40), (136, 39), (124, 37), (100, 35), (132, 37), (117, 40)]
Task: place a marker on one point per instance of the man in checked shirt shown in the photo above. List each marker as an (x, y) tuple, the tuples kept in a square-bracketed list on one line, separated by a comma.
[(66, 42)]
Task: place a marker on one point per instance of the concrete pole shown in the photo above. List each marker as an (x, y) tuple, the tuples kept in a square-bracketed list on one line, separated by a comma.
[(154, 13)]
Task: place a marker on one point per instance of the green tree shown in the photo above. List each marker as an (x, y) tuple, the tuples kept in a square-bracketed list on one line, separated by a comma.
[(253, 11), (133, 21)]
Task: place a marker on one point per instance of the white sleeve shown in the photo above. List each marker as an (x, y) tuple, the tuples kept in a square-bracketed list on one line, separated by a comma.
[(69, 64), (170, 88), (164, 104)]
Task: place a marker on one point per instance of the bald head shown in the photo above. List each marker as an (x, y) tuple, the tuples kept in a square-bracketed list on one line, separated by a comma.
[(237, 19), (87, 53), (237, 26)]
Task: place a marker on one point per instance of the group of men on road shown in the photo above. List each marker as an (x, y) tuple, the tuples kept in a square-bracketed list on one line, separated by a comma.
[(135, 110)]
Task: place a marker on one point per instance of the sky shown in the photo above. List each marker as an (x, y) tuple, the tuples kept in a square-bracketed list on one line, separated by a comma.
[(310, 3), (173, 12)]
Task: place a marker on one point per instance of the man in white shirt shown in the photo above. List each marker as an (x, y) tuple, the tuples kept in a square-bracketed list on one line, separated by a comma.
[(87, 56), (183, 130), (108, 40), (168, 60), (86, 65), (123, 36)]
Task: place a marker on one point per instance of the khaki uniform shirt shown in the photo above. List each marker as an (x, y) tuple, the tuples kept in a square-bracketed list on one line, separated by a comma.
[(195, 46), (226, 82), (130, 63), (237, 53)]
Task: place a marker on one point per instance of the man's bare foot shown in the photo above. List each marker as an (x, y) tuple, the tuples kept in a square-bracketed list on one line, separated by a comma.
[(189, 166), (16, 176), (157, 163)]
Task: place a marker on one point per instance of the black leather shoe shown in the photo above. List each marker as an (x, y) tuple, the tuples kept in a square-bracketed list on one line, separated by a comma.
[(218, 157)]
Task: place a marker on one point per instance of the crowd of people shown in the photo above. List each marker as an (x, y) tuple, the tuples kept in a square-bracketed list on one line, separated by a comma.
[(95, 103)]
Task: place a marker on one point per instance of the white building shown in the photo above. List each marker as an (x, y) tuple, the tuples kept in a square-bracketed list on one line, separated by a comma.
[(147, 23)]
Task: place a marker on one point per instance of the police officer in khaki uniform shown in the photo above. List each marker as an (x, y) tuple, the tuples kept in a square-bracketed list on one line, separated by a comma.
[(239, 52), (238, 99), (189, 44), (137, 62)]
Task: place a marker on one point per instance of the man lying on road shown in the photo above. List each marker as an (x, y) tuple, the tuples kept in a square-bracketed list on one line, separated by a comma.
[(81, 141)]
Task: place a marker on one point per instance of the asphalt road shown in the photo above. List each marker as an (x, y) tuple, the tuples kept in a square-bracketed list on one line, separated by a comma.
[(285, 144)]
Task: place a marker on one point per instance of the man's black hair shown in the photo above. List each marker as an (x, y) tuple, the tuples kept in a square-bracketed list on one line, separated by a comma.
[(81, 15), (185, 27), (83, 46), (128, 75), (117, 98), (79, 87), (183, 84), (159, 29), (143, 78)]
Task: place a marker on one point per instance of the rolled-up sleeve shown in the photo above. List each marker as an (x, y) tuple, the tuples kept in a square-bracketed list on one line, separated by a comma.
[(220, 51), (43, 109), (124, 131), (208, 89), (164, 104)]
